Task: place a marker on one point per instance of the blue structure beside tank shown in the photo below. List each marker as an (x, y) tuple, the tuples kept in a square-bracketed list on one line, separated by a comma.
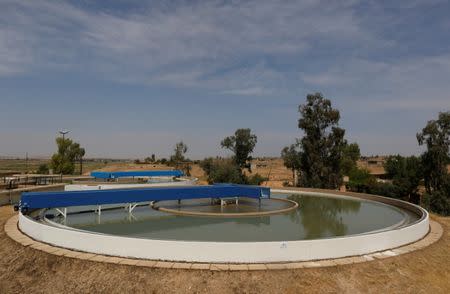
[(141, 173), (36, 200)]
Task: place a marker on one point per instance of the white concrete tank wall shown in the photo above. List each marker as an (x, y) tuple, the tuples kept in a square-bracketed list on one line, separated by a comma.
[(236, 252)]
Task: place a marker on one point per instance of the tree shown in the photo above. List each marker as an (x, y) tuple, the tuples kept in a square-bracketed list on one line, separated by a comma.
[(406, 174), (435, 136), (178, 160), (322, 145), (241, 144), (360, 180), (77, 153), (63, 161), (291, 159), (350, 155), (179, 151), (149, 159)]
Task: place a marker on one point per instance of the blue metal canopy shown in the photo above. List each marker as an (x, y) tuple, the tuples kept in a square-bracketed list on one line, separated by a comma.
[(34, 200), (141, 173)]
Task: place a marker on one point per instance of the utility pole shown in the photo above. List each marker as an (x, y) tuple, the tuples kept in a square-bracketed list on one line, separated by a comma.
[(26, 163), (63, 133)]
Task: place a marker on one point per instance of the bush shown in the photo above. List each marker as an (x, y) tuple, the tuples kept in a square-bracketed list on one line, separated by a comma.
[(255, 179), (360, 180), (363, 182), (227, 171), (438, 201), (385, 189), (43, 169), (222, 171)]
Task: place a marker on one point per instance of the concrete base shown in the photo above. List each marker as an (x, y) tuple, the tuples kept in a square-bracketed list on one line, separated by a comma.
[(12, 230)]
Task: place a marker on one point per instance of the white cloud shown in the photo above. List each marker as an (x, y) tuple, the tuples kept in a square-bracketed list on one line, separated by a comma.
[(414, 83), (14, 57), (256, 91), (226, 47), (184, 44)]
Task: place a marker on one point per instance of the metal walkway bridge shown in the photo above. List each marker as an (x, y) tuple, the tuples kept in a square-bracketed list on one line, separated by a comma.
[(131, 197), (141, 173)]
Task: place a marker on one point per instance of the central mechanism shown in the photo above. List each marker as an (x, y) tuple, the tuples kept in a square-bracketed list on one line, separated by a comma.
[(226, 207)]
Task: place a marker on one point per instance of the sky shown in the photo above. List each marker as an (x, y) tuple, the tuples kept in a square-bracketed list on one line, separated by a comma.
[(131, 78)]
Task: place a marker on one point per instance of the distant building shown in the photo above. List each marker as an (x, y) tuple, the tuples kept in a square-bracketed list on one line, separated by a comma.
[(375, 165)]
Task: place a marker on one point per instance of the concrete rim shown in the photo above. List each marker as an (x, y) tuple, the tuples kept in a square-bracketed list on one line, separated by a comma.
[(293, 206), (238, 252), (12, 230)]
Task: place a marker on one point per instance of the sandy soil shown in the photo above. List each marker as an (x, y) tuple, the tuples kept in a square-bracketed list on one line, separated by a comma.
[(274, 170), (27, 270), (270, 168)]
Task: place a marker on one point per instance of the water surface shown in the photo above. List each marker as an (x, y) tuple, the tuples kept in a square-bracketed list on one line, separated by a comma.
[(316, 217)]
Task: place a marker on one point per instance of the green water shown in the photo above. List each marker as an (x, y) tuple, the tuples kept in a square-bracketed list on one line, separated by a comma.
[(316, 217)]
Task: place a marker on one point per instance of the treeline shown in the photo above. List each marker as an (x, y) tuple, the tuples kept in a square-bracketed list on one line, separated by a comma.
[(178, 160), (221, 170), (322, 157)]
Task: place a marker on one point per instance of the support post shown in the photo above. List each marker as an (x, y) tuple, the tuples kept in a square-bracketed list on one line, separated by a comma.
[(131, 207), (63, 212)]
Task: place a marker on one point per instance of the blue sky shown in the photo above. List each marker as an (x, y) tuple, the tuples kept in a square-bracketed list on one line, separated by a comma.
[(130, 78)]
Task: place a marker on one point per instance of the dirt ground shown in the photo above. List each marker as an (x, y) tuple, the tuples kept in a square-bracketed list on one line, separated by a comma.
[(271, 168), (27, 270)]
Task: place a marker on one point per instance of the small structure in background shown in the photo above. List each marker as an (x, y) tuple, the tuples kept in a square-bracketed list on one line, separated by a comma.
[(375, 166), (136, 174)]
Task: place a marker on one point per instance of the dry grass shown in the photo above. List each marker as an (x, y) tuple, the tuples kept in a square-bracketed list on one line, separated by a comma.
[(24, 269), (275, 171), (270, 168), (20, 165)]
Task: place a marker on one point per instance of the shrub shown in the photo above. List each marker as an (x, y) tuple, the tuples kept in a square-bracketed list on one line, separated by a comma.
[(255, 179), (385, 189), (43, 169), (222, 171), (438, 201)]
